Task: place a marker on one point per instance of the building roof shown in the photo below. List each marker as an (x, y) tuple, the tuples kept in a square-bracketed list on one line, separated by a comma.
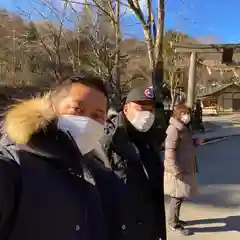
[(220, 89)]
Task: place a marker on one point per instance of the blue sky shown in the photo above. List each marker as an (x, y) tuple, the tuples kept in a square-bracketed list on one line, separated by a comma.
[(208, 20)]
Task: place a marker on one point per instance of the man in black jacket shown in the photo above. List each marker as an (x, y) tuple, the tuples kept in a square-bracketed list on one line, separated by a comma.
[(51, 188), (133, 152)]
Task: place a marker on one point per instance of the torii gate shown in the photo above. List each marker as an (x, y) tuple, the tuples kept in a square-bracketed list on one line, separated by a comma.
[(226, 50)]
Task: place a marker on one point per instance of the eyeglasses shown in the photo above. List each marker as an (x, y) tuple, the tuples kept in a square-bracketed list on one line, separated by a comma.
[(82, 77), (78, 78)]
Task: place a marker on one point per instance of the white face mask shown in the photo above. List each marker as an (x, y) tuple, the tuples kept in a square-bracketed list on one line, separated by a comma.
[(143, 121), (186, 118), (85, 131)]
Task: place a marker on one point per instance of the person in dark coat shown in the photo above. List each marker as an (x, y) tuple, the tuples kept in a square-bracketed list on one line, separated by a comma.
[(133, 153), (51, 186), (198, 116)]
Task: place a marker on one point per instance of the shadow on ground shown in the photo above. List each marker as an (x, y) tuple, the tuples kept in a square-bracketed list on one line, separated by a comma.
[(219, 178), (222, 123), (231, 223)]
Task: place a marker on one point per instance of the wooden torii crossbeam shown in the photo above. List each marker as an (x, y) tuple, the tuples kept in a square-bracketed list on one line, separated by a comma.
[(226, 50), (203, 48)]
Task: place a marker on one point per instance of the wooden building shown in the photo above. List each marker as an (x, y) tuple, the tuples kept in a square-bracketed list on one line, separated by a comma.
[(224, 99)]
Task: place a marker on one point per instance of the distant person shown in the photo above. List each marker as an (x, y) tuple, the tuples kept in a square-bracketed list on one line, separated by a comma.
[(180, 178), (51, 186), (133, 151), (198, 116)]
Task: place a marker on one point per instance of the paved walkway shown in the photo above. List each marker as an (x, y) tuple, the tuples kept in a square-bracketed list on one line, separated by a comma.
[(221, 119), (215, 214), (210, 223), (228, 125), (222, 132)]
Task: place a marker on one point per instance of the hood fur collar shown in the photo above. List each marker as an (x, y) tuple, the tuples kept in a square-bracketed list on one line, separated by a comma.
[(179, 125), (28, 117)]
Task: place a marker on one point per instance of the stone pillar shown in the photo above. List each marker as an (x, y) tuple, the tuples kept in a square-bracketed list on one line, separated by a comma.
[(192, 80)]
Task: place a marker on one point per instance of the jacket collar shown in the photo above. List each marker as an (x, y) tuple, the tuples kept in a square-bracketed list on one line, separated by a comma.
[(30, 125), (179, 125), (120, 120)]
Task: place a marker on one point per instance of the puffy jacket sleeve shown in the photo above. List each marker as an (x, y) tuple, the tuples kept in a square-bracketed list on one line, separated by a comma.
[(9, 177), (107, 145), (117, 163), (171, 143), (106, 142)]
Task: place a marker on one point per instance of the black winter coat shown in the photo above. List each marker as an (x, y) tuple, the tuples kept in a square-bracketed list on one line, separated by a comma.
[(138, 165), (48, 190)]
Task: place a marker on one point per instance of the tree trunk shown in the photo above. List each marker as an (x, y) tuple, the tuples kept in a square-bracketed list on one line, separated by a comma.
[(150, 49), (158, 72), (118, 53), (173, 83)]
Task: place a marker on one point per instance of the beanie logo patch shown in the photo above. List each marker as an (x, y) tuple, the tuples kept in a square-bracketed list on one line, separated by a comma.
[(149, 92)]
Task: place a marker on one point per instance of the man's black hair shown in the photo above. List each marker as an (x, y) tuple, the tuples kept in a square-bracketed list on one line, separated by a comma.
[(90, 80)]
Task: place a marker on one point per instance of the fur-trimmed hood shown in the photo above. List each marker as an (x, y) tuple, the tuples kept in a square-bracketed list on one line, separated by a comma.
[(179, 125), (29, 117), (24, 119)]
